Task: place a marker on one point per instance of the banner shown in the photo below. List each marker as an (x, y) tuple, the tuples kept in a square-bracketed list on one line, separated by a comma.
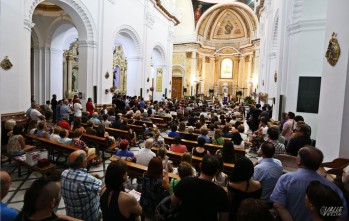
[(159, 80)]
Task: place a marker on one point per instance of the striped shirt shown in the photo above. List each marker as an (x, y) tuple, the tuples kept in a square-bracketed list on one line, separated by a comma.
[(80, 192)]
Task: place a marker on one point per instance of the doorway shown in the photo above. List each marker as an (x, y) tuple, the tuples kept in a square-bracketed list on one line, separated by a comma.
[(177, 87)]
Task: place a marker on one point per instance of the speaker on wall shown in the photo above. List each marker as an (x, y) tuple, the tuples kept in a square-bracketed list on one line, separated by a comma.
[(165, 92), (141, 92), (95, 94), (184, 90)]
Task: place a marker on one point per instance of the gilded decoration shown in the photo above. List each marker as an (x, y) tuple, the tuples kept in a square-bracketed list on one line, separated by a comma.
[(119, 70), (207, 59), (333, 50), (6, 64), (189, 54), (276, 77)]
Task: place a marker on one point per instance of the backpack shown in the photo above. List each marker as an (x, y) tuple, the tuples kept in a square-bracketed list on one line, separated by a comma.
[(165, 211)]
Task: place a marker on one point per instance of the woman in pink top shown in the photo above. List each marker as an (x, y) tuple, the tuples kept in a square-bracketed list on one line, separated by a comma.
[(177, 147)]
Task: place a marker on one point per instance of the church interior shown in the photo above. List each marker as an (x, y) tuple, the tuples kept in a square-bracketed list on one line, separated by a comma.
[(284, 54)]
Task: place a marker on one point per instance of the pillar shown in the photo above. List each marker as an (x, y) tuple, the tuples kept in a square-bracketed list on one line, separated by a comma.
[(333, 118)]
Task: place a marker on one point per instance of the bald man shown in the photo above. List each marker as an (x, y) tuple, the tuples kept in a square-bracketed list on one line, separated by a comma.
[(80, 190), (289, 193), (145, 154), (7, 213)]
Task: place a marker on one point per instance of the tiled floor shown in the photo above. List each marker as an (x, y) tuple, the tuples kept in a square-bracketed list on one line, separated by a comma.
[(20, 184)]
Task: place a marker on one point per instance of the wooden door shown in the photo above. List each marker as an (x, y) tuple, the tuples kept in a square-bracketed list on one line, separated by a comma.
[(177, 87)]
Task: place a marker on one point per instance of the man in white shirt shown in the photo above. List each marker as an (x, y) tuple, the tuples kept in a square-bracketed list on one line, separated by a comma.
[(35, 113), (77, 108), (145, 154), (288, 127)]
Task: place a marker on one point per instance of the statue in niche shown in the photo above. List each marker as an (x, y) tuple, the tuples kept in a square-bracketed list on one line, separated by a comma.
[(73, 80), (228, 28)]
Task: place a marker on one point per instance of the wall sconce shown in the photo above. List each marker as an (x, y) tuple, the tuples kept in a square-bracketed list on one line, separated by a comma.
[(170, 82), (106, 91), (148, 79)]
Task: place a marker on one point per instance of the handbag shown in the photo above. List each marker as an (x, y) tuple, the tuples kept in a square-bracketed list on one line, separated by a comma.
[(166, 211)]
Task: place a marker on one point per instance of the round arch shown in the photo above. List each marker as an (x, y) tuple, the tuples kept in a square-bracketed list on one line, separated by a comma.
[(181, 70), (79, 14), (128, 37)]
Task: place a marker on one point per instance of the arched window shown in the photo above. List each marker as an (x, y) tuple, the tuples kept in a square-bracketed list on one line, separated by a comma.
[(227, 68)]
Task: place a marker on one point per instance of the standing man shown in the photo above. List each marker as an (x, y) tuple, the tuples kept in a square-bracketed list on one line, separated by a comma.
[(54, 105), (77, 109), (288, 127), (8, 214), (201, 199), (90, 107), (80, 190), (65, 110)]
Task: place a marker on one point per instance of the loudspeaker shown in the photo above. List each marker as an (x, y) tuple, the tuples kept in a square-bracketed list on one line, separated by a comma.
[(141, 92), (95, 94), (165, 92), (184, 90)]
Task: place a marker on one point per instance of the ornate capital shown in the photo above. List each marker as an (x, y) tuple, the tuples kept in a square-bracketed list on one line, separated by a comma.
[(189, 54), (207, 59)]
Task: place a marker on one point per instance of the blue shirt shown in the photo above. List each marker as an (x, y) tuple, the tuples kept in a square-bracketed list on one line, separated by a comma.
[(8, 214), (207, 138), (80, 192), (173, 134), (290, 192), (267, 172), (124, 154)]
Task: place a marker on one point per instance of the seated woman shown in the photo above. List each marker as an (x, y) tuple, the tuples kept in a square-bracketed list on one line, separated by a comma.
[(203, 134), (16, 144), (90, 129), (200, 151), (77, 142), (32, 127), (131, 134), (241, 185), (190, 135), (123, 152), (102, 133), (77, 125), (186, 157), (182, 127), (217, 138), (227, 152), (212, 131), (177, 146), (156, 141), (226, 132), (55, 134), (116, 204), (166, 164), (155, 187), (42, 130), (184, 169), (221, 179), (64, 135)]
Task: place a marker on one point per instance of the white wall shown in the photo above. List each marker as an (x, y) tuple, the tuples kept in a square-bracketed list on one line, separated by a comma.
[(333, 120)]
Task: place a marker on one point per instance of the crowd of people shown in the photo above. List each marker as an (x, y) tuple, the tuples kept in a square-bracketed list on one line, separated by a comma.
[(258, 190)]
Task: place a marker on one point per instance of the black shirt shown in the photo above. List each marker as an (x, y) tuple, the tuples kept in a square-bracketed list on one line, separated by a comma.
[(201, 199), (297, 143)]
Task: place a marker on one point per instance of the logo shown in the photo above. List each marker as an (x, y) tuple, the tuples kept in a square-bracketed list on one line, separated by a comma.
[(331, 210)]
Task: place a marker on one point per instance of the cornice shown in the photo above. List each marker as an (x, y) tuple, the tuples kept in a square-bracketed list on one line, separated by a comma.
[(158, 5)]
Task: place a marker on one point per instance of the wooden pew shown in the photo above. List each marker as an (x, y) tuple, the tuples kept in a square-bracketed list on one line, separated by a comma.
[(92, 140), (176, 158), (113, 131), (159, 122), (54, 146), (166, 119), (138, 169), (239, 152)]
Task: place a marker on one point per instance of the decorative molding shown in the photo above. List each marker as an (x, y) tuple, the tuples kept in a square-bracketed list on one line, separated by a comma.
[(207, 59), (133, 34), (158, 5), (309, 25), (149, 19), (80, 9), (297, 10), (28, 25), (112, 1), (87, 44)]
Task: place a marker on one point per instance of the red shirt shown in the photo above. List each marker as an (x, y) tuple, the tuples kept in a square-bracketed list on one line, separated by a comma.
[(64, 124), (178, 148), (89, 107)]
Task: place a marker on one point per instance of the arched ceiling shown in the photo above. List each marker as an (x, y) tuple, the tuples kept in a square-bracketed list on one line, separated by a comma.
[(226, 23)]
